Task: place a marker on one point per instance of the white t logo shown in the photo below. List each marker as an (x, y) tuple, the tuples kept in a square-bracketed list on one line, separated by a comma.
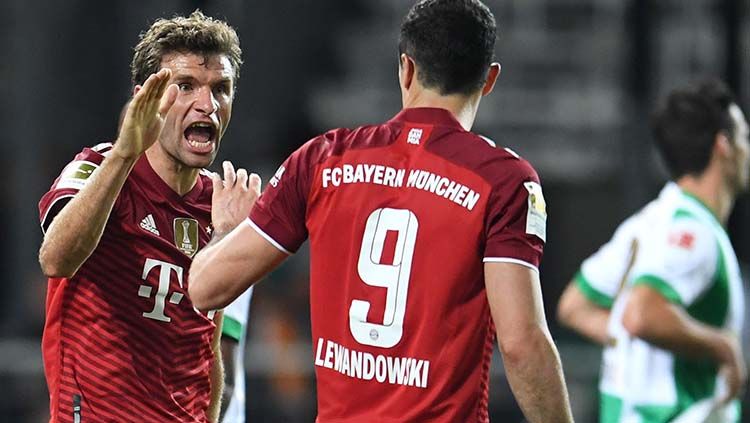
[(160, 301)]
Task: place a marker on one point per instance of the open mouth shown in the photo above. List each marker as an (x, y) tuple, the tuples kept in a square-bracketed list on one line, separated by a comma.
[(200, 137)]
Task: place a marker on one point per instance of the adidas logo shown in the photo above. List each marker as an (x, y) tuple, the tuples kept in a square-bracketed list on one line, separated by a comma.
[(148, 224)]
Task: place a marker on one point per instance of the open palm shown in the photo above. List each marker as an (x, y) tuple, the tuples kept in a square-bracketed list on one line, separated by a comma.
[(145, 115)]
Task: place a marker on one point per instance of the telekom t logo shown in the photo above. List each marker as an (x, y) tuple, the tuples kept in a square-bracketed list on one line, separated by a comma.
[(160, 300)]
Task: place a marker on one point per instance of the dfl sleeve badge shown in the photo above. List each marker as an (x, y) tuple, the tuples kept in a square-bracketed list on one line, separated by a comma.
[(536, 215)]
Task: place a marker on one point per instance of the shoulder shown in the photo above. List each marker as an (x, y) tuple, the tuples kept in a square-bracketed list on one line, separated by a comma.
[(96, 153), (499, 166), (504, 169), (337, 142), (78, 170), (685, 243)]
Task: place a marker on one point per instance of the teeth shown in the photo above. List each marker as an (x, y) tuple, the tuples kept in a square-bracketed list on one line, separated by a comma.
[(202, 125), (197, 143)]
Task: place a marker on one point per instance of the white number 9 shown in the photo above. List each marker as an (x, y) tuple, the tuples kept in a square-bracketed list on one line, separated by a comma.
[(394, 277)]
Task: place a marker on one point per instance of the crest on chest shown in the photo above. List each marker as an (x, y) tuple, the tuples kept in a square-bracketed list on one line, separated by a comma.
[(186, 235)]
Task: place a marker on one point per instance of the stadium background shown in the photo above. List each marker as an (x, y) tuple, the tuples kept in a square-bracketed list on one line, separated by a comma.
[(579, 79)]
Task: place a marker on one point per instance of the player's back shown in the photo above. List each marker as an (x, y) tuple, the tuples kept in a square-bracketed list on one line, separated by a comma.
[(401, 217)]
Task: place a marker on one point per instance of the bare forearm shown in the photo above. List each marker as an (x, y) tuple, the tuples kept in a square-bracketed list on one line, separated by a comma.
[(229, 351), (217, 373), (590, 322), (76, 230), (535, 375), (670, 328), (592, 325), (217, 387), (578, 313)]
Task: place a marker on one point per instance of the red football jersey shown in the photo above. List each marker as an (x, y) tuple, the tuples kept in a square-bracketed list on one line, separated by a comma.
[(122, 341), (400, 218)]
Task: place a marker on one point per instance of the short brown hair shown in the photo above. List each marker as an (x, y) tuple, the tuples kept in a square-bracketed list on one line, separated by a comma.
[(686, 123), (196, 33)]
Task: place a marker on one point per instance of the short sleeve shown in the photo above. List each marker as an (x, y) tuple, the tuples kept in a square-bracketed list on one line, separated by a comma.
[(516, 219), (602, 274), (72, 179), (679, 262), (279, 214), (236, 315)]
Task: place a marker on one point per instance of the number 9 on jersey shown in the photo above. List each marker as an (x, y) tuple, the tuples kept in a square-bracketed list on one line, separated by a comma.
[(394, 277)]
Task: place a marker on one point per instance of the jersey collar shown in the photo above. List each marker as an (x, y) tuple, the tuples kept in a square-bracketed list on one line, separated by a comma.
[(146, 171), (428, 115), (701, 205)]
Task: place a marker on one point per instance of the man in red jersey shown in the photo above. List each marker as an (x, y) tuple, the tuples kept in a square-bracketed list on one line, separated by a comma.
[(424, 238), (122, 341)]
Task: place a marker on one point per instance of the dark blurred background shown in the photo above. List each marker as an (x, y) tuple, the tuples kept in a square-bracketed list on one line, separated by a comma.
[(578, 82)]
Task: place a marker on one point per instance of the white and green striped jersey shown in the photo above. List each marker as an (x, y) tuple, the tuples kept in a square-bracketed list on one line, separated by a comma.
[(678, 247), (235, 326)]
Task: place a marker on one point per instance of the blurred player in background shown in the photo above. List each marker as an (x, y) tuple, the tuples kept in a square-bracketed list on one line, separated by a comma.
[(422, 234), (233, 339), (664, 295), (122, 342)]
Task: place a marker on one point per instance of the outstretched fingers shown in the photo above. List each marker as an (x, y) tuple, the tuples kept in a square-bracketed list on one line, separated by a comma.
[(230, 177), (168, 99), (242, 179), (254, 183), (156, 91), (216, 181)]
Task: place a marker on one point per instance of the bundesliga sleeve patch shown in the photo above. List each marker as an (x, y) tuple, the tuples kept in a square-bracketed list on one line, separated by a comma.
[(76, 174), (536, 216)]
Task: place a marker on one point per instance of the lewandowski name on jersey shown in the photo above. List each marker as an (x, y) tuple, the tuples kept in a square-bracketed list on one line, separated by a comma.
[(392, 177), (406, 371)]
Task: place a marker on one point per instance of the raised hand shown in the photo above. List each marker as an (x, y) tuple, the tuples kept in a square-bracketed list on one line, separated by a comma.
[(145, 115), (233, 198)]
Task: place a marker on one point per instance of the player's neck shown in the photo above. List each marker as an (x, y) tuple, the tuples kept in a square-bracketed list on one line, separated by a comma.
[(179, 177), (463, 108), (711, 189)]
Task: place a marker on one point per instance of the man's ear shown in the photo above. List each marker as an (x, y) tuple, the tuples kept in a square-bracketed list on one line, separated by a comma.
[(492, 76), (723, 145), (406, 71)]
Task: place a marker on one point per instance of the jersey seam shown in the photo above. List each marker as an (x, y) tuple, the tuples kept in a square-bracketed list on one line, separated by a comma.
[(661, 286), (510, 260), (593, 294), (267, 237), (49, 208)]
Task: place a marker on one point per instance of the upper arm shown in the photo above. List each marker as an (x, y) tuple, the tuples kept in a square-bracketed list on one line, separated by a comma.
[(645, 305), (515, 300), (236, 262), (515, 232)]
